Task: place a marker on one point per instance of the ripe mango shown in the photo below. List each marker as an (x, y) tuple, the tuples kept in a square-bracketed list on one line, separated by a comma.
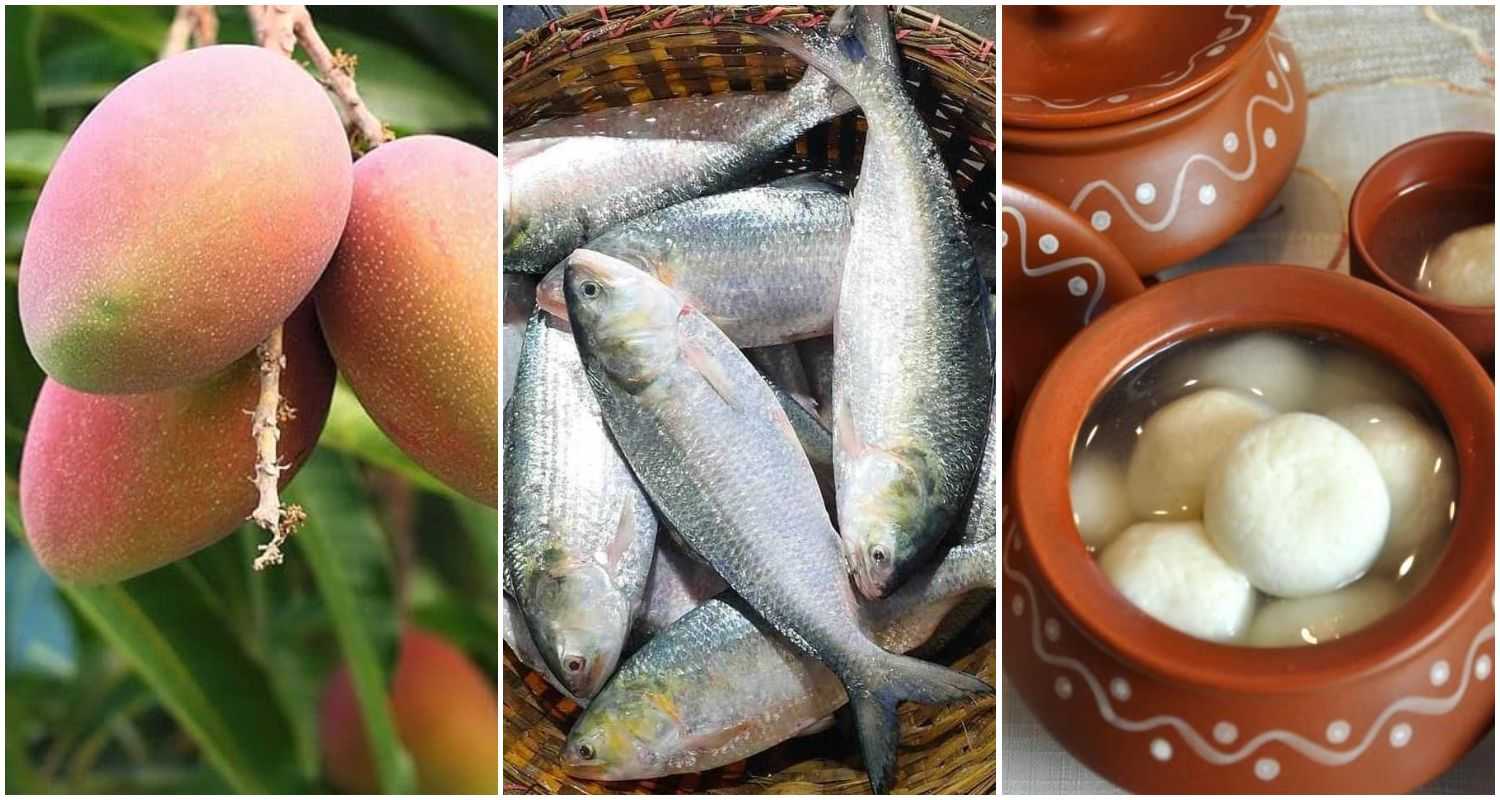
[(115, 485), (188, 216), (445, 715), (409, 304)]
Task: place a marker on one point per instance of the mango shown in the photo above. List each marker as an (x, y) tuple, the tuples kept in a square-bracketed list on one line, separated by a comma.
[(116, 485), (445, 715), (190, 213), (409, 305)]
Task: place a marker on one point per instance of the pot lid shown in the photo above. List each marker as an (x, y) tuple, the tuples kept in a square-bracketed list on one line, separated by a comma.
[(1081, 66)]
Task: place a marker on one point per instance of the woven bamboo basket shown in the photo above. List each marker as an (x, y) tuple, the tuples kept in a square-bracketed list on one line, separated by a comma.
[(620, 55)]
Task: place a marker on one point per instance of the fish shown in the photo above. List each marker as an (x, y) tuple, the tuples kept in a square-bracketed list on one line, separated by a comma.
[(980, 524), (913, 374), (518, 637), (782, 366), (678, 584), (579, 533), (762, 263), (714, 450), (518, 299), (568, 180), (721, 684), (817, 443), (817, 363)]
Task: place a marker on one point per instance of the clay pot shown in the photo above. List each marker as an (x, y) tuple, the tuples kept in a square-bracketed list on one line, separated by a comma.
[(1167, 129), (1382, 710), (1466, 158), (1057, 275)]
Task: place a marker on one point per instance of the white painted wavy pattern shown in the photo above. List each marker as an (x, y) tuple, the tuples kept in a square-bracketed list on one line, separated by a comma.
[(1428, 706), (1068, 105), (1056, 266), (1250, 138)]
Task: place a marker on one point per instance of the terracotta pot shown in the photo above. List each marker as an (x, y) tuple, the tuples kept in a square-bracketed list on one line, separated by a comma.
[(1057, 275), (1382, 710), (1168, 129), (1444, 158)]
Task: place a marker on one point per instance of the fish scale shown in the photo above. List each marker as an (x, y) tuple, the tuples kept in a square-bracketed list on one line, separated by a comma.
[(566, 489)]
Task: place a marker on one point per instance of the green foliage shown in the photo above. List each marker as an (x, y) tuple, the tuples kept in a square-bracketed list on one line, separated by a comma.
[(204, 676)]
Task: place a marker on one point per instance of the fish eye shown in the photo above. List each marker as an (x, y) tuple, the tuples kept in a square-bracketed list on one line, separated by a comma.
[(573, 664), (586, 752), (589, 289), (879, 554)]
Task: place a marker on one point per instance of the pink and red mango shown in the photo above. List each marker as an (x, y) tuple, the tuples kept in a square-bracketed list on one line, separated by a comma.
[(445, 716), (116, 485), (409, 305), (190, 213)]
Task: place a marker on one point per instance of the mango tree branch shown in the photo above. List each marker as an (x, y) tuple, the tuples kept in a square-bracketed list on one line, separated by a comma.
[(200, 24)]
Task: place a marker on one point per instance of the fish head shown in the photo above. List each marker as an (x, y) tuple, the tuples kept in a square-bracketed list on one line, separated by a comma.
[(579, 622), (884, 515), (630, 732), (625, 320), (549, 293)]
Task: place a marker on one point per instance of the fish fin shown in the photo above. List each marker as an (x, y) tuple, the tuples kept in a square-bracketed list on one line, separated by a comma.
[(717, 738), (624, 536), (810, 182), (664, 703), (900, 678), (846, 438), (704, 363)]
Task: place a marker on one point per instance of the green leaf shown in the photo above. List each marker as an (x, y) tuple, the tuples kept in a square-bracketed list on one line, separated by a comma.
[(181, 648), (83, 72), (405, 93), (23, 378), (350, 561), (145, 27), (21, 109), (18, 209), (30, 154), (350, 430)]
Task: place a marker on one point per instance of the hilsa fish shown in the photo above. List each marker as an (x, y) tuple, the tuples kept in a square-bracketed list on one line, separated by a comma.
[(711, 445)]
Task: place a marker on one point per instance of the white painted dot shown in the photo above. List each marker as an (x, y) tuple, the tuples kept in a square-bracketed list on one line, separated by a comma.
[(1216, 50), (1439, 673), (1077, 286), (1400, 735), (1053, 630), (1161, 749), (1271, 79), (1063, 687), (1338, 731), (1100, 220), (1482, 667), (1231, 142), (1118, 98), (1017, 605), (1145, 193), (1048, 243), (1004, 237), (1267, 769), (1269, 137), (1226, 732), (1207, 194), (1285, 64), (1120, 689)]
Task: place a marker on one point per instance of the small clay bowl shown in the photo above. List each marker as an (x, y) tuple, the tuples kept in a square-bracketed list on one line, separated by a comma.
[(1383, 710), (1057, 275), (1169, 128), (1453, 159)]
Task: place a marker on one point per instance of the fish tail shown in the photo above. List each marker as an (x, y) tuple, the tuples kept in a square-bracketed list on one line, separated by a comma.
[(821, 98), (896, 678), (858, 43)]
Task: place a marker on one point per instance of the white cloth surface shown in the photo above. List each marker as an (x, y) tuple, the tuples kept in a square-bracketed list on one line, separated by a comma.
[(1377, 77)]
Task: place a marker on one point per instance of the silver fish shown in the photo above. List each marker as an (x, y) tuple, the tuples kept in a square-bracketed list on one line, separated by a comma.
[(679, 583), (708, 440), (518, 299), (817, 361), (913, 357), (782, 366), (579, 532), (980, 524), (721, 685), (568, 180), (762, 263), (518, 637), (817, 443)]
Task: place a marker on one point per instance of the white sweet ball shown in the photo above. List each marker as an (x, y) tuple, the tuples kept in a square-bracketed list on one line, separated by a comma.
[(1322, 618), (1170, 571), (1461, 270), (1101, 503), (1178, 444), (1346, 379), (1273, 367), (1420, 473), (1298, 504)]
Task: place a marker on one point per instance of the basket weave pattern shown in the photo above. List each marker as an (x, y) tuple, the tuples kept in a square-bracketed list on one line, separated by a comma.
[(621, 55)]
